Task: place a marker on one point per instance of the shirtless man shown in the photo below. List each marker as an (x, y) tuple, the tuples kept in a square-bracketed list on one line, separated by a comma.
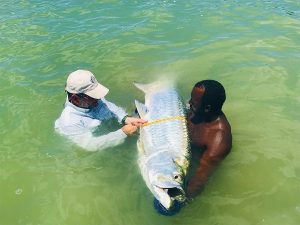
[(209, 130)]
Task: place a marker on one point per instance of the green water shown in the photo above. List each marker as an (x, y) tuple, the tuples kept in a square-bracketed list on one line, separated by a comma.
[(252, 47)]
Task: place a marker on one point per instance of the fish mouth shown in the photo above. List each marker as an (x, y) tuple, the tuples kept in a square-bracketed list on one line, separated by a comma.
[(167, 196), (174, 192)]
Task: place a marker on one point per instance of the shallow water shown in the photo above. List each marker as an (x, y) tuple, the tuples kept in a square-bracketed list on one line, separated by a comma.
[(251, 47)]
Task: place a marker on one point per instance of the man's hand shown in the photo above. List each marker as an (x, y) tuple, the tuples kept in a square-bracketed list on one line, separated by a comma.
[(129, 129), (135, 121)]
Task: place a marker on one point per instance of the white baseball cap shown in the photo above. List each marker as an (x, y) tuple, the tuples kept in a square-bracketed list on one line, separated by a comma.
[(83, 81)]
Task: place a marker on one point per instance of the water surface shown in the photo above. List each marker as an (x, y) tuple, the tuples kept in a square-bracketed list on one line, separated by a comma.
[(251, 47)]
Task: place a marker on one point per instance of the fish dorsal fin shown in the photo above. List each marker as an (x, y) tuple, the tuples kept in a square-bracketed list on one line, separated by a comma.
[(141, 108)]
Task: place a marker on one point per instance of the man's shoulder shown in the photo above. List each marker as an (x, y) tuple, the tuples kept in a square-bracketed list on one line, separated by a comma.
[(220, 138), (69, 118), (220, 143), (222, 125), (69, 126), (222, 129)]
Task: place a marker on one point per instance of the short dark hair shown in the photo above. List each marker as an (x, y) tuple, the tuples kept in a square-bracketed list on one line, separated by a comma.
[(214, 94)]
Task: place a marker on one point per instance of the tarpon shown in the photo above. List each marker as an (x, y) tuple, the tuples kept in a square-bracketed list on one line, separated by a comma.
[(163, 142)]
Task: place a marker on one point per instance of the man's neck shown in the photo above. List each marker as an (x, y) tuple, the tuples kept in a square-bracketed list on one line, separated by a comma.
[(205, 118)]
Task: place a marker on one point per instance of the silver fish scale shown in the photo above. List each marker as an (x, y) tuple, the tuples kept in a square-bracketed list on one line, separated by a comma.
[(168, 135)]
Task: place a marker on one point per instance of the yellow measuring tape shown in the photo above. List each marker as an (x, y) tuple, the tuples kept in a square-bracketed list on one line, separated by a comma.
[(164, 119)]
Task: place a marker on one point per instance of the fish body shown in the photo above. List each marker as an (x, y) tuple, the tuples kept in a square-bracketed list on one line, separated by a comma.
[(163, 142)]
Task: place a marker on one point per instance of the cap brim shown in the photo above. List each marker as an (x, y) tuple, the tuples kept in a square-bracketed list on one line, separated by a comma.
[(98, 92)]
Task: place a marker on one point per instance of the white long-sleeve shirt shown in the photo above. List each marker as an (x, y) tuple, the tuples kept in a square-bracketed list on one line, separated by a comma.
[(78, 124)]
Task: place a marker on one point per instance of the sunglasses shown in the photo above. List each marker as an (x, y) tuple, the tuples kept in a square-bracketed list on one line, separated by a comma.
[(81, 95)]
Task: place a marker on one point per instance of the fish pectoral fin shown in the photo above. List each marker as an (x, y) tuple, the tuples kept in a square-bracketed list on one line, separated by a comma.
[(141, 108)]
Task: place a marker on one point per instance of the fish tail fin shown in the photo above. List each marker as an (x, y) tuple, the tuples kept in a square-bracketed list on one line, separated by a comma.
[(154, 86), (143, 87)]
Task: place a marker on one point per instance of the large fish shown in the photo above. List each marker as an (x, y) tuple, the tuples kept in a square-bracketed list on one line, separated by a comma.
[(163, 142)]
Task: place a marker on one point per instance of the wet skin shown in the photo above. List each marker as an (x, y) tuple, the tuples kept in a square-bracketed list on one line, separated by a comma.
[(209, 132)]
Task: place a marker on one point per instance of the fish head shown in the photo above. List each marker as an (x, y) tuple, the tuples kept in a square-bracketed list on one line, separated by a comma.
[(167, 185)]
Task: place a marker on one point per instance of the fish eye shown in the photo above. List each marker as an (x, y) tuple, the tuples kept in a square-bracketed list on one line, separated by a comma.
[(176, 176)]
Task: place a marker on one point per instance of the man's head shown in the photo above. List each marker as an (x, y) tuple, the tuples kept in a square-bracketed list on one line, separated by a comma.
[(83, 89), (207, 98)]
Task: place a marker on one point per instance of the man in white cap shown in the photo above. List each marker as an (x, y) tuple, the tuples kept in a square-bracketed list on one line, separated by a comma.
[(86, 108)]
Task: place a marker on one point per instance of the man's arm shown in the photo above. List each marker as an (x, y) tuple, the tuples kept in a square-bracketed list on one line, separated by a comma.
[(122, 116), (94, 143), (217, 149), (83, 136), (116, 110)]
